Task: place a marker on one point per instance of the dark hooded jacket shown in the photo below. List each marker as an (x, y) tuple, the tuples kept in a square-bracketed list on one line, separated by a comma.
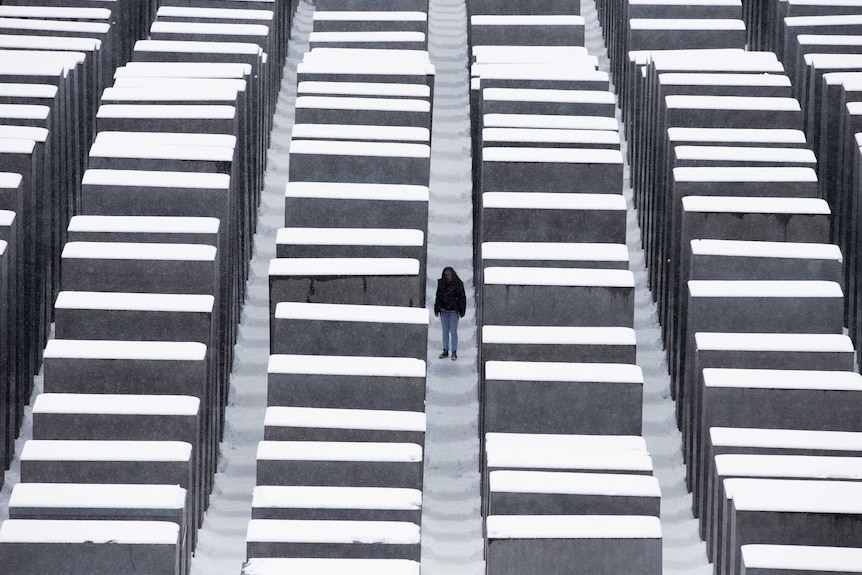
[(450, 295)]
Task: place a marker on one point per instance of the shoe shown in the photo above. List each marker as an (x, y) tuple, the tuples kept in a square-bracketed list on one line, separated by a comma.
[(444, 354), (454, 355)]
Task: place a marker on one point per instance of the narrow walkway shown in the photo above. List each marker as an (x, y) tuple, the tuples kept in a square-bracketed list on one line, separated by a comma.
[(451, 521), (683, 551)]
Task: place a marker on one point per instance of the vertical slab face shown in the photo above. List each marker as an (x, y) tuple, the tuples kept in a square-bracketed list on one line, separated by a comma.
[(551, 170)]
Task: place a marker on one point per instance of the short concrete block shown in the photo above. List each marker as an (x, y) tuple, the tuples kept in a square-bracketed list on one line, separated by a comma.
[(574, 170), (271, 566), (800, 560), (314, 424), (557, 343), (337, 503)]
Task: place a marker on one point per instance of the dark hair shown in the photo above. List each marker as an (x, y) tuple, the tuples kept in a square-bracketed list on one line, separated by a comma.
[(449, 269)]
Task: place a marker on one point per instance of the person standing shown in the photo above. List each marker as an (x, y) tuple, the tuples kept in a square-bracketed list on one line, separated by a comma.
[(450, 304)]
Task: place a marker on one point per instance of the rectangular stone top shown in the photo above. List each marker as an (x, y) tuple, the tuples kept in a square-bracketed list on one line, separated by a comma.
[(214, 13), (356, 103), (833, 61), (795, 495), (9, 180), (76, 531), (96, 450), (59, 43), (769, 155), (6, 217), (350, 236), (364, 60), (573, 527), (563, 482), (526, 20), (758, 249), (855, 110), (183, 70), (172, 139), (569, 277), (557, 251), (153, 224), (782, 379), (54, 25), (346, 365), (125, 350), (339, 451), (193, 47), (548, 95), (332, 418), (685, 3), (752, 135), (532, 54), (540, 457), (552, 155), (557, 335), (232, 29), (343, 532), (91, 300), (24, 111), (534, 135), (552, 201), (828, 40), (16, 146), (364, 149), (325, 497), (155, 179), (31, 67), (316, 566), (366, 36), (139, 251), (584, 71), (116, 404), (755, 103), (360, 132), (356, 191), (167, 111), (354, 313), (343, 267), (764, 288), (750, 204), (356, 66), (370, 16), (28, 90), (686, 24), (728, 59), (91, 495), (802, 342), (563, 371), (501, 442), (24, 133), (745, 174), (786, 438), (3, 245), (549, 121), (363, 89), (802, 557), (52, 12), (161, 151), (796, 466), (173, 86)]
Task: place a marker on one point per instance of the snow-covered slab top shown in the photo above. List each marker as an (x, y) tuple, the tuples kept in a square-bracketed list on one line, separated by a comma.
[(370, 15), (764, 288), (552, 201), (24, 111), (6, 217), (797, 466), (740, 153), (3, 246), (607, 484), (316, 497), (854, 110), (803, 342), (686, 57), (343, 267), (501, 442), (533, 135), (795, 495), (30, 67), (552, 155), (364, 149), (364, 36), (155, 179), (54, 12), (750, 204), (756, 249), (571, 277), (573, 527), (802, 558), (24, 133), (526, 20), (686, 24), (356, 191), (684, 3), (538, 457), (828, 39), (554, 251), (357, 103), (183, 70), (549, 121), (364, 89), (172, 111), (59, 43), (418, 59), (16, 146), (782, 379), (167, 139), (339, 451), (833, 61), (548, 95), (360, 132), (357, 66), (585, 71), (112, 349), (116, 404), (763, 103), (851, 80), (350, 236), (175, 86), (97, 450), (28, 90), (752, 135), (84, 495), (214, 13), (546, 63), (160, 26), (10, 180), (161, 151), (563, 371), (344, 532), (54, 25), (786, 438), (332, 418), (745, 174), (349, 312), (509, 54), (316, 566), (75, 531), (154, 224), (139, 251), (346, 365), (557, 335)]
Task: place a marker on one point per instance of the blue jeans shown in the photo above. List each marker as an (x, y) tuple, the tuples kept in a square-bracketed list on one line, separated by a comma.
[(449, 321)]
